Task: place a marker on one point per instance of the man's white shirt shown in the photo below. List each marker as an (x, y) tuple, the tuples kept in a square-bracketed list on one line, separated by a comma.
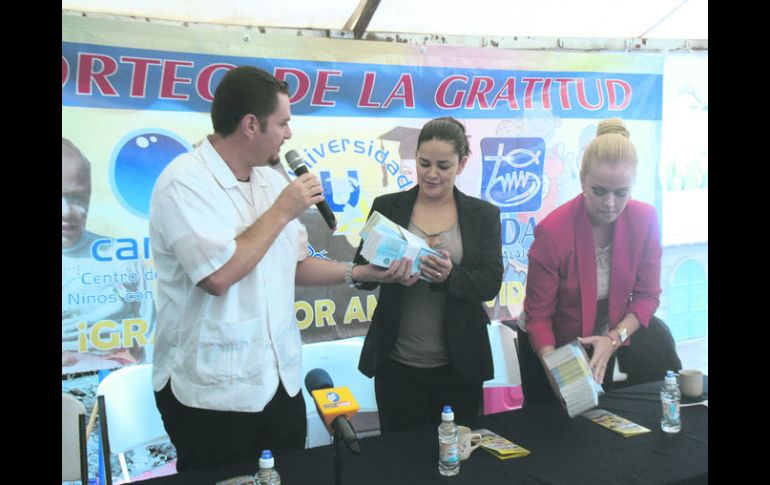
[(222, 352)]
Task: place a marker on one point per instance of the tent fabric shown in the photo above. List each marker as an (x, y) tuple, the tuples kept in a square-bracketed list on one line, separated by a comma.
[(653, 19)]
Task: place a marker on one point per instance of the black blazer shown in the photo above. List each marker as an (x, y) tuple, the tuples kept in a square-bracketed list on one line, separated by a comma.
[(475, 280)]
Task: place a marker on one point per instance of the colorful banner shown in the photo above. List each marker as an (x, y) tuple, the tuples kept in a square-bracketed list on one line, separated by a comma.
[(110, 77), (134, 96)]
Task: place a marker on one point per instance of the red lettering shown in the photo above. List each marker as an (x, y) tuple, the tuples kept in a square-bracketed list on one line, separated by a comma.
[(583, 99), (529, 90), (545, 93), (364, 100), (88, 73), (322, 86), (203, 82), (612, 99), (139, 76), (507, 92), (169, 79), (303, 82), (441, 92), (480, 86), (65, 71), (404, 84), (563, 91)]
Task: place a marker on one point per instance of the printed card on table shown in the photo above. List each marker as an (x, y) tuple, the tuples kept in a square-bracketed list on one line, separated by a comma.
[(499, 446), (239, 480), (615, 423)]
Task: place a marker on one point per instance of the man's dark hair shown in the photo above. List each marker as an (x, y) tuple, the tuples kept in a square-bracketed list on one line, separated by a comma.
[(244, 90)]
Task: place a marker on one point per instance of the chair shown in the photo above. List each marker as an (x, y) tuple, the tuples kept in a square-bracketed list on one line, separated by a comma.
[(340, 359), (128, 416), (74, 456), (503, 391), (651, 353)]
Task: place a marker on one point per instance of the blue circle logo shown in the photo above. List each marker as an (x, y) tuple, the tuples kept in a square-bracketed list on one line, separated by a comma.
[(137, 161), (332, 396)]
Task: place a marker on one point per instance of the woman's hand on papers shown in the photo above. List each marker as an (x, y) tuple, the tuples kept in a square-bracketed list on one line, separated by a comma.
[(435, 268), (400, 272), (603, 350)]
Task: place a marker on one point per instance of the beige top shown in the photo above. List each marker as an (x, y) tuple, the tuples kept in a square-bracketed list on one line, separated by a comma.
[(420, 341)]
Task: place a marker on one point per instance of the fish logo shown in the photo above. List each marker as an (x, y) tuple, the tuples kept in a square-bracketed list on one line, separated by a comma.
[(512, 173)]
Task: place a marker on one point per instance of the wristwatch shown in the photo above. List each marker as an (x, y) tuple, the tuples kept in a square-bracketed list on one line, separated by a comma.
[(622, 334), (349, 276)]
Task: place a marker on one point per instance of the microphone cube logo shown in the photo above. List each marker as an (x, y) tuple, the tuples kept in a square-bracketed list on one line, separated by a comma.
[(512, 173), (332, 396)]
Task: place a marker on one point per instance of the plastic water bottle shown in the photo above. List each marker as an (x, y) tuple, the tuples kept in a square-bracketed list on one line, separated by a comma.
[(267, 474), (448, 444), (671, 422)]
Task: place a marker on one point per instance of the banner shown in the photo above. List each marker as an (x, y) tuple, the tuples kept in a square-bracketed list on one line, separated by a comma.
[(136, 95)]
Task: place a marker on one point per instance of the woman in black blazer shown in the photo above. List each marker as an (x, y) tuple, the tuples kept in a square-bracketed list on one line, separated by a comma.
[(427, 345)]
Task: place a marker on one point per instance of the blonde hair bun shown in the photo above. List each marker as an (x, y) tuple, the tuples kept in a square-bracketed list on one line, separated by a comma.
[(612, 125), (612, 149)]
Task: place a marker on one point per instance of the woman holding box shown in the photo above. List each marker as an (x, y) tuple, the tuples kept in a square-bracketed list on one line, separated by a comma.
[(427, 345), (594, 267)]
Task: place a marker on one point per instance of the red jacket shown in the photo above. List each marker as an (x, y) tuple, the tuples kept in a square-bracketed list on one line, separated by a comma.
[(560, 302)]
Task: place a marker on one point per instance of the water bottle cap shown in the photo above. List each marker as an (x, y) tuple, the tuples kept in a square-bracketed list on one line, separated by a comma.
[(447, 414), (266, 460), (670, 377)]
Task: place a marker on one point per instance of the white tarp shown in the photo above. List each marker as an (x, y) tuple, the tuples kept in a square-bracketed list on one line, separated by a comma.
[(652, 19)]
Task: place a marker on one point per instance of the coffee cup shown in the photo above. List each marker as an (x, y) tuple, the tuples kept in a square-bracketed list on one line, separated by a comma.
[(691, 382), (467, 439)]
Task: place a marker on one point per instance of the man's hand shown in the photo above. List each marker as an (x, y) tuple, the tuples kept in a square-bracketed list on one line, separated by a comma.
[(300, 194), (399, 271)]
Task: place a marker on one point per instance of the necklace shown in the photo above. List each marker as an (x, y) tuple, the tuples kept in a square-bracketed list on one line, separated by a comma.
[(434, 234)]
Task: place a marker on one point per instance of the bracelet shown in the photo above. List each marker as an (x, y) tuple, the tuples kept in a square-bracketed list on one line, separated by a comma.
[(614, 342), (349, 275)]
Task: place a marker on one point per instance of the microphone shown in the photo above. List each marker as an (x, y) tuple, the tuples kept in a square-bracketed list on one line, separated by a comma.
[(297, 164), (335, 406)]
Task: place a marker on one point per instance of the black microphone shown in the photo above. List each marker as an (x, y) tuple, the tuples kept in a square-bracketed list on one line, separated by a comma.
[(297, 164), (334, 406)]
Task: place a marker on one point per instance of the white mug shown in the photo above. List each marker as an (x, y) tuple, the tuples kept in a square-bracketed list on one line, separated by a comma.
[(467, 438), (691, 382)]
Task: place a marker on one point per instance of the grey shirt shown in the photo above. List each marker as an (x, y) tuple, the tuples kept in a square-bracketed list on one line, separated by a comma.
[(420, 341)]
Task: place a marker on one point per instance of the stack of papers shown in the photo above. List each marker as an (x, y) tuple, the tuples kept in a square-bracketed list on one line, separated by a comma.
[(569, 366), (385, 242), (499, 446), (615, 423)]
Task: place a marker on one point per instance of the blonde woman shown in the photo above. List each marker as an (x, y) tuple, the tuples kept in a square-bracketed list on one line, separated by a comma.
[(594, 266)]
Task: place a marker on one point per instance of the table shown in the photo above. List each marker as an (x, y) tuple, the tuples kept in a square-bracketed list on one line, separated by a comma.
[(563, 451)]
